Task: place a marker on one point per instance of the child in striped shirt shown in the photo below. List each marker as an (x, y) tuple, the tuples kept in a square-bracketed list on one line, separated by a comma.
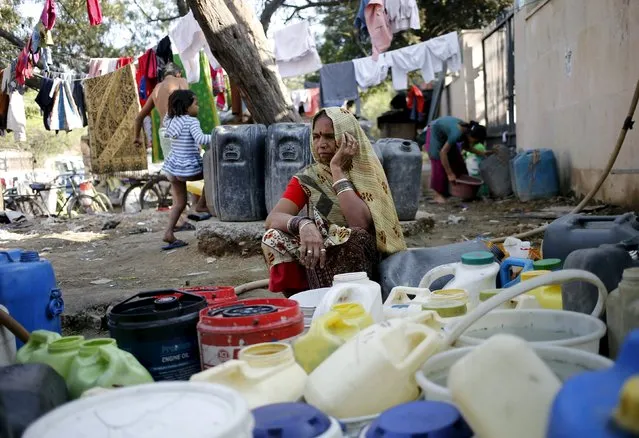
[(184, 162)]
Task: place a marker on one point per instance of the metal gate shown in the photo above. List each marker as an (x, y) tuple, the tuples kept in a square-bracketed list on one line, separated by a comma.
[(498, 46)]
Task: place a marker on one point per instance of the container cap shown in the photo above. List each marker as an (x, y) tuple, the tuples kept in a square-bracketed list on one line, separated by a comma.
[(478, 258), (547, 264), (627, 414), (156, 306), (157, 410), (29, 256), (420, 419), (289, 420)]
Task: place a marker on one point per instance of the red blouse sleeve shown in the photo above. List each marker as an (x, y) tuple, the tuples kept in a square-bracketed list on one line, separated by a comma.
[(295, 193)]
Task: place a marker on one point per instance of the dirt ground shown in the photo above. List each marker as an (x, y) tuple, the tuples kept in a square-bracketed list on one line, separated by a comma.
[(96, 266)]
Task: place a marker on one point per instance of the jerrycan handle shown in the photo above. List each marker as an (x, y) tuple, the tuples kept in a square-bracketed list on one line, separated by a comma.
[(556, 277), (431, 342), (9, 259), (333, 295), (436, 273), (56, 303), (401, 292)]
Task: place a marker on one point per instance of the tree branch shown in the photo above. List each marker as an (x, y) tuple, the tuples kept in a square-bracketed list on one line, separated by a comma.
[(313, 4), (151, 19), (269, 10), (13, 39)]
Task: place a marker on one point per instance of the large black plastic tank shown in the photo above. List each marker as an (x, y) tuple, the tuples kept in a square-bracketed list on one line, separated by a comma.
[(403, 168), (288, 150), (495, 171), (238, 172)]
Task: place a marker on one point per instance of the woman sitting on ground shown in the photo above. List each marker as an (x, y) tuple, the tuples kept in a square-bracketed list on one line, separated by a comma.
[(447, 163), (350, 219)]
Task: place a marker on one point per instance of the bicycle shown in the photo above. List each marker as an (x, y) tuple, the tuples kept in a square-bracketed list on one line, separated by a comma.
[(26, 204), (76, 202)]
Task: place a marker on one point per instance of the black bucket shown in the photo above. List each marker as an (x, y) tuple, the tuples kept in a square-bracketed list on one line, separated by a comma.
[(159, 329)]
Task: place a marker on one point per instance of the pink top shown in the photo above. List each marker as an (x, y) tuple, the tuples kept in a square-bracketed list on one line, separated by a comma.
[(379, 27)]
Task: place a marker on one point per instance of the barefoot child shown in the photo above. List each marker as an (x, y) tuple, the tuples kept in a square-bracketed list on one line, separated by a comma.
[(184, 162)]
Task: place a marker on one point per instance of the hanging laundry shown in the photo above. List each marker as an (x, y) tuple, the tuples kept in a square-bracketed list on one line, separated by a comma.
[(415, 102), (112, 105), (445, 48), (338, 84), (369, 72), (188, 38), (64, 115), (45, 101), (219, 87), (407, 59), (4, 107), (403, 15), (48, 14), (95, 12), (121, 62), (300, 98), (360, 19), (378, 26), (295, 50), (163, 55), (78, 98), (314, 105), (147, 74), (24, 67), (16, 117), (102, 66)]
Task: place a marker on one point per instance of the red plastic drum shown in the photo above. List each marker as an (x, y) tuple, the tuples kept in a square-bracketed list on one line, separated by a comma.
[(215, 295)]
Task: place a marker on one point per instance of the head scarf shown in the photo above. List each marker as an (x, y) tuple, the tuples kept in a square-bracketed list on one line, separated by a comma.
[(366, 174)]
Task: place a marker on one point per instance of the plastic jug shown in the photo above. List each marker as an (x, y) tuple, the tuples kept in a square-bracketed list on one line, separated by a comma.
[(328, 333), (294, 420), (39, 340), (476, 272), (486, 384), (549, 297), (405, 301), (375, 370), (264, 374), (7, 344), (353, 287), (419, 419), (517, 248), (403, 169), (58, 354), (524, 301), (534, 174), (495, 171), (600, 404), (100, 363), (505, 273), (622, 309)]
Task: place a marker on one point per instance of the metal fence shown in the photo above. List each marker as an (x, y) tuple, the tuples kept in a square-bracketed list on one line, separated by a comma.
[(498, 46)]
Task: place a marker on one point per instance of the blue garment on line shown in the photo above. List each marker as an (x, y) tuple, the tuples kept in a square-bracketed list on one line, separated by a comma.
[(360, 19)]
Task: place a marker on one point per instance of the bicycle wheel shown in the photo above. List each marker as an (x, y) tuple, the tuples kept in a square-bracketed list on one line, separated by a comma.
[(131, 198), (150, 196), (85, 204), (104, 202)]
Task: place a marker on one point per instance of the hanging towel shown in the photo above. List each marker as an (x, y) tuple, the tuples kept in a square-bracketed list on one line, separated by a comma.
[(360, 19), (112, 105), (78, 98), (407, 59), (308, 64), (295, 50), (378, 27), (95, 12), (338, 84), (64, 114), (4, 106), (369, 72), (45, 101), (188, 39), (16, 117), (314, 105), (445, 48), (48, 14), (102, 66), (403, 15)]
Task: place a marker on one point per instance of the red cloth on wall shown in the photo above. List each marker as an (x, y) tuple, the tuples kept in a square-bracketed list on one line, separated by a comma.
[(95, 12)]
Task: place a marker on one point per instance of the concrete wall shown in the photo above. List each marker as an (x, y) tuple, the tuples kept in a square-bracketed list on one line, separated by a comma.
[(466, 89), (576, 67)]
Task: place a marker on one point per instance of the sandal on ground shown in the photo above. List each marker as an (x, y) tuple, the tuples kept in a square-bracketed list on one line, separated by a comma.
[(174, 245), (197, 217)]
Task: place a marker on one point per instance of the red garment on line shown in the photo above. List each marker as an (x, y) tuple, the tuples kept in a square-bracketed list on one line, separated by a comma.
[(123, 61), (24, 67), (48, 14), (95, 12), (147, 75), (413, 93)]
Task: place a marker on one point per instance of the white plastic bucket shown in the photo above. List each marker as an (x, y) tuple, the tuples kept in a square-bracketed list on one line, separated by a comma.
[(308, 301), (559, 328), (564, 362), (156, 410)]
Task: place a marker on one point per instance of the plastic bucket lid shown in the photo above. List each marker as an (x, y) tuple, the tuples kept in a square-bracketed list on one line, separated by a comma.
[(292, 420), (157, 410), (420, 419)]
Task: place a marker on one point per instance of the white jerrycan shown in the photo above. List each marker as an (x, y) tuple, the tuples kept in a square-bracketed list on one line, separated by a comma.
[(353, 288), (476, 272), (375, 370), (405, 301)]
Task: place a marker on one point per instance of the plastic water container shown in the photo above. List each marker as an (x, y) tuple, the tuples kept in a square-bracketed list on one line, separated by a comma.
[(294, 420), (374, 370), (524, 301), (403, 168), (288, 150), (534, 174), (517, 248), (239, 161), (486, 384), (594, 404), (27, 392), (378, 152), (354, 287), (495, 171), (308, 301), (419, 419), (7, 344), (505, 273), (28, 290), (477, 271), (578, 231), (264, 374), (564, 362), (622, 309), (329, 332), (160, 410), (209, 180), (58, 354), (405, 301), (548, 297), (214, 295)]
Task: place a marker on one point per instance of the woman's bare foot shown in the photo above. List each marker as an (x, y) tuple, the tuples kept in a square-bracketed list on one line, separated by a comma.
[(169, 237), (439, 199)]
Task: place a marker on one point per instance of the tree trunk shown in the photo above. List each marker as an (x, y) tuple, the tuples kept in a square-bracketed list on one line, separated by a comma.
[(238, 42)]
